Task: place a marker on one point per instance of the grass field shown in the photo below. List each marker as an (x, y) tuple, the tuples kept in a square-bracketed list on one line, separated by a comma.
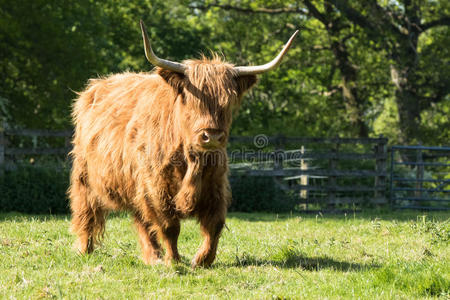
[(372, 255)]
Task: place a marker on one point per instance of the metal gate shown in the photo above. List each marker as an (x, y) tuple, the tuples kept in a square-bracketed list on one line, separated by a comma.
[(420, 177)]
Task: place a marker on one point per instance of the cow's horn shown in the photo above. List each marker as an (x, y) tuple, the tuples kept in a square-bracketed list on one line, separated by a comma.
[(253, 70), (155, 60)]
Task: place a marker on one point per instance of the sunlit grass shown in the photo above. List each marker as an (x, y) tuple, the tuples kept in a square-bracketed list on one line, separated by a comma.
[(371, 255)]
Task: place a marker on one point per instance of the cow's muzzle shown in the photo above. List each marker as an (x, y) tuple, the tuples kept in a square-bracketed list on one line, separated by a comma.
[(211, 138)]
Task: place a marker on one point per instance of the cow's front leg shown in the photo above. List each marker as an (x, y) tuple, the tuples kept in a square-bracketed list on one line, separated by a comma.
[(151, 250), (169, 233), (211, 229)]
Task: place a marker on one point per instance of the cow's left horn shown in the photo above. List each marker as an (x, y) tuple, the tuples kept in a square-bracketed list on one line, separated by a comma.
[(155, 60), (253, 70)]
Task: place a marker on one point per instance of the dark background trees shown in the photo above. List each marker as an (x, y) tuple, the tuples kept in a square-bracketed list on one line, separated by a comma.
[(358, 68)]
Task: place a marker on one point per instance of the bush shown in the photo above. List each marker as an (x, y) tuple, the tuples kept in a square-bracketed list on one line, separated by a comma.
[(35, 190), (251, 194), (42, 190)]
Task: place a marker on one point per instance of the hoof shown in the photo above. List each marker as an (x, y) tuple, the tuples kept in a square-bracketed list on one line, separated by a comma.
[(153, 262), (196, 262)]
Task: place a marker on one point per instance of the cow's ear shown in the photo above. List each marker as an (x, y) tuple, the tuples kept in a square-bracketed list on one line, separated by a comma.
[(174, 79), (245, 82)]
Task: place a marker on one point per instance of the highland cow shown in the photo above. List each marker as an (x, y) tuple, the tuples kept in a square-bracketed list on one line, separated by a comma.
[(154, 144)]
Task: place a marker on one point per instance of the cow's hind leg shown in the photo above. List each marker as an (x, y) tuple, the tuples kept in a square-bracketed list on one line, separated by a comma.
[(211, 228), (88, 217), (148, 238)]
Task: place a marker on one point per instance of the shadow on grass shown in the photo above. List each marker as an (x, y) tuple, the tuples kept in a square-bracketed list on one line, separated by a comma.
[(293, 261)]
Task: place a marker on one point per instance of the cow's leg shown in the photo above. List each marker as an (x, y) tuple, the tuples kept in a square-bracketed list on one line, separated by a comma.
[(148, 238), (169, 233), (88, 217), (211, 228)]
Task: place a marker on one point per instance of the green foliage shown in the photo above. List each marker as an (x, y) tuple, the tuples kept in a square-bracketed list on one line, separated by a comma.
[(48, 49), (34, 190), (4, 115)]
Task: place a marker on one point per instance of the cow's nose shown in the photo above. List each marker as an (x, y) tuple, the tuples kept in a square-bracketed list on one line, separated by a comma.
[(212, 137)]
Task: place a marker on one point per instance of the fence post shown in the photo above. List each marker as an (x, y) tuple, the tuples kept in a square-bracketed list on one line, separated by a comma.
[(304, 178), (2, 148), (391, 178), (380, 168), (279, 153), (333, 165), (419, 173)]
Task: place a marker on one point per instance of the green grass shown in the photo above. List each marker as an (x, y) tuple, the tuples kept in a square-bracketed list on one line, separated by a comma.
[(372, 255)]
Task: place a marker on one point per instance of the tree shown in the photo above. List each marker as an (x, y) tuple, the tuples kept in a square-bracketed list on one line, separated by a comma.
[(356, 69), (409, 37), (399, 28), (341, 38), (49, 50)]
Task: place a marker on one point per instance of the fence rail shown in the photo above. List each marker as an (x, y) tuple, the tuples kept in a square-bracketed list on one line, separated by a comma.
[(280, 139), (39, 132), (306, 156)]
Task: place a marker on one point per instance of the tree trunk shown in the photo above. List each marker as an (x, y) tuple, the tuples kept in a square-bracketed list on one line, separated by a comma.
[(408, 105), (403, 75), (353, 102)]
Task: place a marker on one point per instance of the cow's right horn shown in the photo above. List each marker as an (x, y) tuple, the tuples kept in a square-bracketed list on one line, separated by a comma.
[(155, 60), (253, 70)]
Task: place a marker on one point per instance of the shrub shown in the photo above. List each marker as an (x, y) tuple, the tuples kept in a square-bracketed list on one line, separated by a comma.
[(259, 194), (42, 190), (35, 190)]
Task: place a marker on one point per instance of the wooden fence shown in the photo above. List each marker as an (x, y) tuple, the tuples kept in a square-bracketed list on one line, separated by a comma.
[(7, 152), (299, 165), (328, 171), (426, 185)]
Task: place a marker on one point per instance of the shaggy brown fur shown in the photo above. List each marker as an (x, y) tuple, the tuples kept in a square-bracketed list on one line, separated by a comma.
[(137, 147)]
